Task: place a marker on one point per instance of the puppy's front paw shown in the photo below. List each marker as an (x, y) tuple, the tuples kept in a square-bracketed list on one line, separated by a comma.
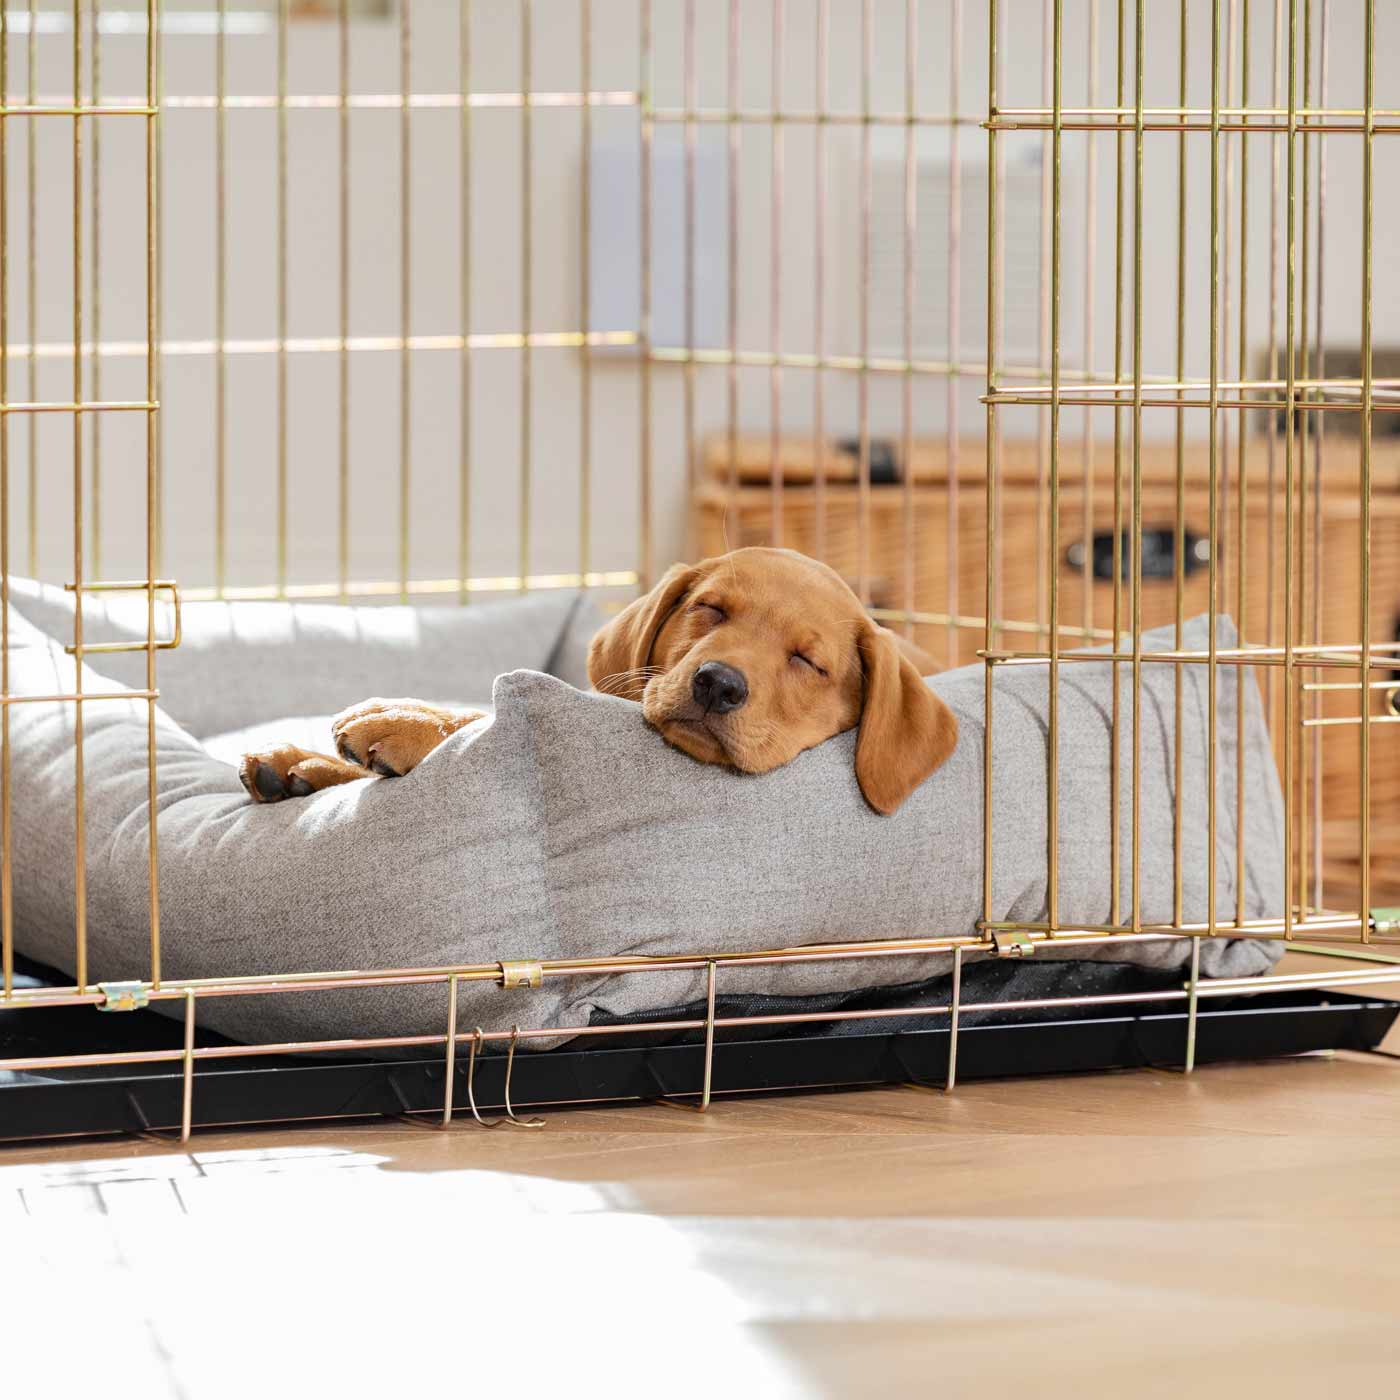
[(288, 771), (392, 737)]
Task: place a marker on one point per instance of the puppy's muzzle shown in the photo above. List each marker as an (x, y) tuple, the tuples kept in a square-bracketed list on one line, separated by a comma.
[(718, 688)]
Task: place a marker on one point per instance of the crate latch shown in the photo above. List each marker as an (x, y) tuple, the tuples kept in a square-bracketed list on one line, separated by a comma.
[(123, 996), (1012, 943), (1385, 922), (527, 973)]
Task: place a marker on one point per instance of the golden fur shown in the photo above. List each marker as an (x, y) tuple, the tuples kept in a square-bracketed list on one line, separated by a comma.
[(800, 657)]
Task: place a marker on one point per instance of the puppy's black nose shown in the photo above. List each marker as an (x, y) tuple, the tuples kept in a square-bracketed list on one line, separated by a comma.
[(718, 688)]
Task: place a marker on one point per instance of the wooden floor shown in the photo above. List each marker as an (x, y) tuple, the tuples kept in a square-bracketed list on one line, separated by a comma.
[(1143, 1233)]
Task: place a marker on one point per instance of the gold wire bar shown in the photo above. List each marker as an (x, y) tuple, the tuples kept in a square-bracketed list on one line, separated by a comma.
[(1225, 544), (954, 1018), (863, 500), (989, 636), (449, 1067), (82, 407), (1271, 428), (281, 429), (79, 791), (1220, 987), (690, 135), (972, 622), (952, 435), (645, 140), (1193, 999), (1164, 383), (855, 364), (527, 276), (1248, 656), (391, 101), (1363, 721), (1329, 128), (1245, 113), (710, 980), (1137, 654), (221, 301), (585, 418), (32, 289), (73, 109), (312, 345), (1353, 686), (1298, 795), (906, 397), (263, 985), (1115, 796), (775, 282), (1367, 408), (1179, 545), (95, 288), (1301, 407), (1043, 328), (152, 173), (1319, 431), (187, 1078), (1216, 532), (343, 302), (464, 214), (87, 697), (998, 564), (1091, 180), (1242, 486), (406, 296), (820, 116), (378, 101), (731, 378), (385, 588), (1290, 420), (819, 182), (7, 951), (155, 156), (1052, 786), (1090, 936)]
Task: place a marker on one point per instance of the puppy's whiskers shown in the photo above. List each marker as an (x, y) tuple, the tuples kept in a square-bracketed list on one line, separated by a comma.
[(621, 682)]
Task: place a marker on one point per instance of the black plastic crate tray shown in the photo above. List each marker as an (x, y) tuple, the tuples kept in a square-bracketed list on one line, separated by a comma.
[(127, 1098)]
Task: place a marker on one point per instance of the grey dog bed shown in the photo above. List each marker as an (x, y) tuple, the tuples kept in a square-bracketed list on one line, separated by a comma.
[(565, 828)]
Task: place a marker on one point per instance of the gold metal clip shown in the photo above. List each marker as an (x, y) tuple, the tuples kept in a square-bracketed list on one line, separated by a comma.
[(525, 973), (1012, 943), (510, 1070), (134, 586), (123, 996)]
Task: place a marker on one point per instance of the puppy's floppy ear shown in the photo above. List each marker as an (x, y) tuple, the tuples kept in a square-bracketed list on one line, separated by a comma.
[(625, 644), (906, 731)]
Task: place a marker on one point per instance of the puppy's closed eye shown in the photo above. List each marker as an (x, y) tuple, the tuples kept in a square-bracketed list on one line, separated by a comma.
[(708, 613), (808, 664)]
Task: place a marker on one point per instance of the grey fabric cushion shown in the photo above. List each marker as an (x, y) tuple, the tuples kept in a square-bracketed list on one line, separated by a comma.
[(244, 662), (565, 828)]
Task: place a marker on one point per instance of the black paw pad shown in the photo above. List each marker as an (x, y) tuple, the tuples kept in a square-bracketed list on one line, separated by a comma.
[(377, 765), (297, 786), (268, 783)]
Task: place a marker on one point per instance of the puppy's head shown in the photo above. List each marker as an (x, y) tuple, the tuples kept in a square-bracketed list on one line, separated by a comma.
[(750, 658)]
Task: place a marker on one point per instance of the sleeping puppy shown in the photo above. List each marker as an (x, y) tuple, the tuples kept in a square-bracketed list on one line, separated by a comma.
[(744, 660)]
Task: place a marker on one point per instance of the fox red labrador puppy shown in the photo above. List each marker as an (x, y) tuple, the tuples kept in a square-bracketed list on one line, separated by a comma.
[(744, 660)]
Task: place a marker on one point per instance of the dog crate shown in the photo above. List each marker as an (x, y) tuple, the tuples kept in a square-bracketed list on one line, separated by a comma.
[(1029, 316)]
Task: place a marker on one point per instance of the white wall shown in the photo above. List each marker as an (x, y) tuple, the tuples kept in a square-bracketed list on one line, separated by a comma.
[(496, 259)]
